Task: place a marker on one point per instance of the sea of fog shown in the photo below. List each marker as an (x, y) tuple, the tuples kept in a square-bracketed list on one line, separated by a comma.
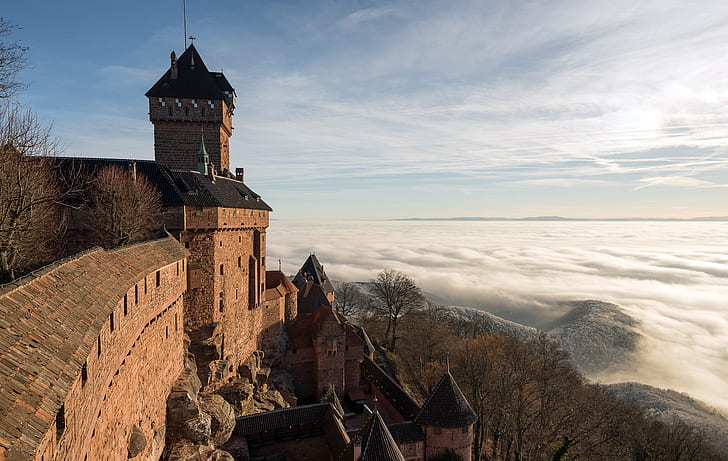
[(672, 276)]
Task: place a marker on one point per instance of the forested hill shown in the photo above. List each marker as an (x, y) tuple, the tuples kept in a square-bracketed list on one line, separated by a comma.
[(667, 405), (597, 335)]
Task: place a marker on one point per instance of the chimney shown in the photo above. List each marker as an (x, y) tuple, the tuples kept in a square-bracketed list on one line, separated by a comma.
[(211, 171), (173, 70), (239, 174), (133, 171), (309, 285)]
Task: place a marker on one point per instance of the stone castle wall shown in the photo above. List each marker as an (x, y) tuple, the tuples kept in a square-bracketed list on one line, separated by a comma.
[(97, 342), (179, 124), (224, 308), (459, 440)]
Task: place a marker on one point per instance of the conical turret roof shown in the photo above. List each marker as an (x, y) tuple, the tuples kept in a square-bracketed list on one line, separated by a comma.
[(377, 443), (447, 406)]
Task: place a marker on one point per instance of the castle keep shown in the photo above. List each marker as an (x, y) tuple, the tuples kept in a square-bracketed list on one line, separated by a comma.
[(127, 353)]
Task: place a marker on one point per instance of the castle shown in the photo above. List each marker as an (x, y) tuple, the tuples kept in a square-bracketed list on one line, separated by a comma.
[(93, 346)]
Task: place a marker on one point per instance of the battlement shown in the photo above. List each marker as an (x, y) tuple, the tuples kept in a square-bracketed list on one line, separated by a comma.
[(193, 110)]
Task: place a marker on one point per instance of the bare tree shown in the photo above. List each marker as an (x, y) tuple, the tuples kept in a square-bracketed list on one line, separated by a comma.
[(396, 294), (349, 299), (30, 194), (12, 60), (123, 207)]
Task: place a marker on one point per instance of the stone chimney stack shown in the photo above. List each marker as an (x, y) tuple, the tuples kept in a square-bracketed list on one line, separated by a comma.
[(240, 174), (133, 171), (173, 72)]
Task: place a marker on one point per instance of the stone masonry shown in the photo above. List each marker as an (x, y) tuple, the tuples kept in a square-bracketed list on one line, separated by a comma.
[(96, 344)]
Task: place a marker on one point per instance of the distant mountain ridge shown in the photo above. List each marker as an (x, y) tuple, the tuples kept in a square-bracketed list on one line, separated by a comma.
[(667, 404), (597, 335), (559, 218)]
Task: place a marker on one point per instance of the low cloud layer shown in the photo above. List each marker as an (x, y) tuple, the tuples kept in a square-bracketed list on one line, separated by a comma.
[(672, 276)]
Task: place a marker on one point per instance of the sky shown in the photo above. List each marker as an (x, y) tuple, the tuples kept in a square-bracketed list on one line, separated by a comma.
[(373, 109)]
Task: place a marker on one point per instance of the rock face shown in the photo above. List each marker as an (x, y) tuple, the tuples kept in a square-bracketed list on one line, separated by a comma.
[(222, 417), (199, 421), (196, 422), (181, 452), (137, 442)]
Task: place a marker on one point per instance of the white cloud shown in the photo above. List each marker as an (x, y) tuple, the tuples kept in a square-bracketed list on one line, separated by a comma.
[(670, 275)]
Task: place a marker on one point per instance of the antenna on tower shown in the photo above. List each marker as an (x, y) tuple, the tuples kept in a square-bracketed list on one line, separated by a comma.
[(184, 13)]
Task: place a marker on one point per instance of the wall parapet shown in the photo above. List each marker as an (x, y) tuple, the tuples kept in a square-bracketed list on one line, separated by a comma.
[(51, 321)]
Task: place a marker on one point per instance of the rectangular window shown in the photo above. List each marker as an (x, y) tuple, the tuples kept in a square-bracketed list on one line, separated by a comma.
[(111, 321), (145, 285), (222, 269), (159, 278), (175, 322), (125, 306), (240, 261), (178, 269), (99, 346), (136, 294), (84, 374)]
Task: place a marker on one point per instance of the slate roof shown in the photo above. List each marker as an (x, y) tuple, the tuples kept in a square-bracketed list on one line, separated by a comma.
[(399, 399), (377, 443), (283, 418), (316, 299), (313, 267), (193, 80), (49, 322), (446, 407), (177, 187), (406, 432)]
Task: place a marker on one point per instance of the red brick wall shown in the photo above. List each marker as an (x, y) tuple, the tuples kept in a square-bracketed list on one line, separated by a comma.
[(329, 344), (178, 126), (412, 451), (126, 383), (453, 439), (230, 293)]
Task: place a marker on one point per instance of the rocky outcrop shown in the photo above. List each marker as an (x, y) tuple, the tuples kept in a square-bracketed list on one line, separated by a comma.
[(200, 421), (137, 442), (222, 417), (197, 422), (182, 452)]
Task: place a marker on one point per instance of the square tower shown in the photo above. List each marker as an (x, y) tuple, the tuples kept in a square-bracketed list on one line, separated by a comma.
[(187, 103)]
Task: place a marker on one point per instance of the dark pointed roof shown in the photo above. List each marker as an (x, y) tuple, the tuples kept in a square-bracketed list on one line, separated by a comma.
[(193, 80), (313, 267), (377, 444), (446, 407), (393, 392)]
